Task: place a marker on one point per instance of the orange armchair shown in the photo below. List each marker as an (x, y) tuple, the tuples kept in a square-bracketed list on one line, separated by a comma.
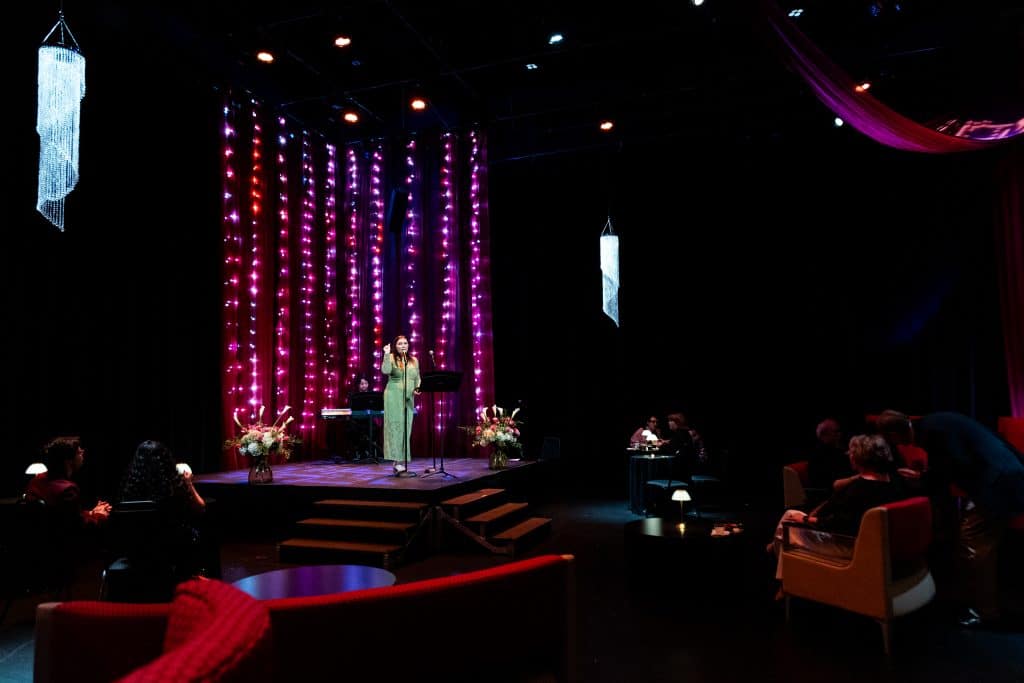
[(887, 576)]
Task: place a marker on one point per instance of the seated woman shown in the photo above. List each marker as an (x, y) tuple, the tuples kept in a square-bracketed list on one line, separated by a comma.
[(154, 476), (873, 485), (650, 426)]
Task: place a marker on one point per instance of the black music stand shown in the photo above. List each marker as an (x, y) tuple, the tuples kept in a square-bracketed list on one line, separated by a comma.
[(372, 404), (440, 382)]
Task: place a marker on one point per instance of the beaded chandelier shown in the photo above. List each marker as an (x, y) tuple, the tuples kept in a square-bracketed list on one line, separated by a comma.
[(58, 119)]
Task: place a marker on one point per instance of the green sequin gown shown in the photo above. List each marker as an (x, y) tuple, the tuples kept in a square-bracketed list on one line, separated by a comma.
[(394, 402)]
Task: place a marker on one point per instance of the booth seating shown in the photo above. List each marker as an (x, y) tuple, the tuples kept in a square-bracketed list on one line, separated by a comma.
[(513, 622), (887, 576)]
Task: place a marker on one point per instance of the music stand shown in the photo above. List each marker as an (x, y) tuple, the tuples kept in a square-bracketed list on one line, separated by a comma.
[(372, 403), (439, 382)]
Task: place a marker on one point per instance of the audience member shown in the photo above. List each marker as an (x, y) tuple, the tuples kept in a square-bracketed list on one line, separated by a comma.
[(874, 485), (63, 458), (987, 474), (684, 442), (651, 427), (154, 476), (828, 460)]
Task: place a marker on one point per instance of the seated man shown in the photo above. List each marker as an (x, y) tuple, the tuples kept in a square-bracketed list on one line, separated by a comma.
[(828, 460)]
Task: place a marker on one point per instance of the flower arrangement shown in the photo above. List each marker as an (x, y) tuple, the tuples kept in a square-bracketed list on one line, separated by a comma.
[(259, 440), (495, 428)]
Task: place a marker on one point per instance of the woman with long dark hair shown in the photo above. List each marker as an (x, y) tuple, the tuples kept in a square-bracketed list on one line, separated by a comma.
[(403, 371)]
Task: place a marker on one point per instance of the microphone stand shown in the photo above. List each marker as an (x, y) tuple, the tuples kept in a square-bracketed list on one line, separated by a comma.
[(433, 453), (405, 419)]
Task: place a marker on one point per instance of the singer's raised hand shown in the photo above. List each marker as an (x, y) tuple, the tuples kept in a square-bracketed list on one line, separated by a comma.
[(387, 349)]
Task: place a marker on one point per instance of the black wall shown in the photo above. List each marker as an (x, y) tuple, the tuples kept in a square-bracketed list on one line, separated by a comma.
[(767, 281)]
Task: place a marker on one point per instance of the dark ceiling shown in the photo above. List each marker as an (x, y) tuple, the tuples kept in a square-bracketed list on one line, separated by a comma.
[(660, 69)]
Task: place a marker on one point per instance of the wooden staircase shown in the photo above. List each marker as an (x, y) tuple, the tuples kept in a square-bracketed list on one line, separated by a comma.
[(370, 532), (486, 518)]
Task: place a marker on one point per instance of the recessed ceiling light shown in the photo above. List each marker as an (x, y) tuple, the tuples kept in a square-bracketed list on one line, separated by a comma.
[(350, 117), (607, 125), (697, 3), (532, 67), (555, 38), (863, 87), (342, 41), (796, 12), (418, 104), (265, 57), (837, 122)]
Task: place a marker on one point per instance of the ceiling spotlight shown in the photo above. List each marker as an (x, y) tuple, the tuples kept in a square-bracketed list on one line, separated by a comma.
[(607, 125), (265, 57), (697, 3), (555, 38), (418, 104), (837, 122), (342, 41), (796, 12), (532, 67), (350, 117), (863, 87)]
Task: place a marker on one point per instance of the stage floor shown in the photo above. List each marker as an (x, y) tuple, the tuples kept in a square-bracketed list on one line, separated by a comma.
[(371, 477)]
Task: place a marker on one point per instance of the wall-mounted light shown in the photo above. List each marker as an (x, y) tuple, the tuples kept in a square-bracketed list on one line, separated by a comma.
[(342, 41), (265, 56), (350, 117), (607, 125), (417, 104)]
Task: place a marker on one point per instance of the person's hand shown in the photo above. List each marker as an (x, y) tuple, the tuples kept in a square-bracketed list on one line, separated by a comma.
[(810, 519), (908, 473), (416, 391), (387, 349), (101, 511)]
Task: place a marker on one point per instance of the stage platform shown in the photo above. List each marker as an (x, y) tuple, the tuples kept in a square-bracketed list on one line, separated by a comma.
[(301, 483)]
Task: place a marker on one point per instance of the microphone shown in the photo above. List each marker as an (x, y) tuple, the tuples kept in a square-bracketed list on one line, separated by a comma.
[(433, 362)]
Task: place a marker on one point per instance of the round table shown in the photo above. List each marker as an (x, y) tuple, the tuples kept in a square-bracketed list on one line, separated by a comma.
[(310, 580)]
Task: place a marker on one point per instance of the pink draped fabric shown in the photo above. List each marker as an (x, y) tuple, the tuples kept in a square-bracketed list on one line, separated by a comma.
[(866, 114), (1010, 266)]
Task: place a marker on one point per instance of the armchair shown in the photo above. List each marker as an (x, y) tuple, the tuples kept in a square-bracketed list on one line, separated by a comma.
[(887, 576)]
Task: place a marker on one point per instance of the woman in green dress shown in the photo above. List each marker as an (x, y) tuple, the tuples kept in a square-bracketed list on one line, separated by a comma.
[(403, 371)]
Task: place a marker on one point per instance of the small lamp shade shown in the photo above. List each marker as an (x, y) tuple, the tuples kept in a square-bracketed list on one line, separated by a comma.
[(36, 468), (681, 496), (649, 435)]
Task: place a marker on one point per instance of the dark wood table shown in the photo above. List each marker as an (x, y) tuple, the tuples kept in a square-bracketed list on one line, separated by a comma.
[(316, 579)]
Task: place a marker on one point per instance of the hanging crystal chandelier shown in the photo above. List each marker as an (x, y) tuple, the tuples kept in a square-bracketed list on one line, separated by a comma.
[(610, 272), (58, 119)]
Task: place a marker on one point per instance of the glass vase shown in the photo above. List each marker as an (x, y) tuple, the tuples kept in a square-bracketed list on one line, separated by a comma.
[(260, 472), (499, 458)]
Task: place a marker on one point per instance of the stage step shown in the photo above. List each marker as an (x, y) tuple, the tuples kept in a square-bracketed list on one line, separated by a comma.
[(523, 534), (490, 521), (463, 506), (355, 529), (378, 510), (313, 551)]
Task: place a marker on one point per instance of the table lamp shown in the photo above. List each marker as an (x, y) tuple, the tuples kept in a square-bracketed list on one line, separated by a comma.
[(682, 496)]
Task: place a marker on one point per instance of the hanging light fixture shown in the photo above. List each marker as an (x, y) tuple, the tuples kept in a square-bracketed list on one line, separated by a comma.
[(610, 272), (58, 119)]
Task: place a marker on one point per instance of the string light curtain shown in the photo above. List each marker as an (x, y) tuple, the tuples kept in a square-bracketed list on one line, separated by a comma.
[(307, 263), (61, 88)]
